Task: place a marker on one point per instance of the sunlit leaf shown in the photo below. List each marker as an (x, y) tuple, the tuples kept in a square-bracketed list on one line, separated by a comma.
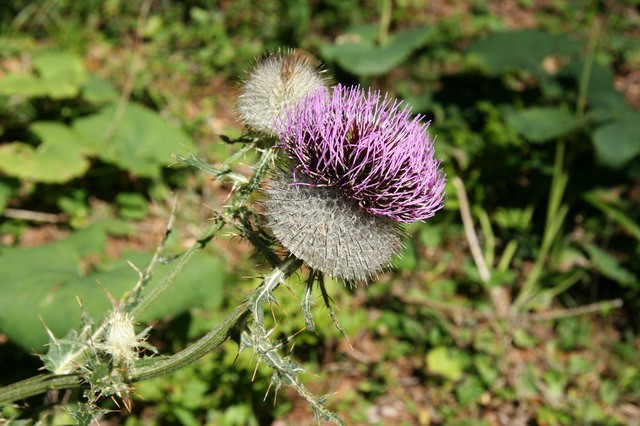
[(97, 90), (58, 159), (46, 281), (56, 74), (22, 84), (359, 54), (138, 140), (445, 362), (63, 73)]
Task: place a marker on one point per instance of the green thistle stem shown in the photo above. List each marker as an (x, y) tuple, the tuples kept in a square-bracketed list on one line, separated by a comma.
[(153, 367)]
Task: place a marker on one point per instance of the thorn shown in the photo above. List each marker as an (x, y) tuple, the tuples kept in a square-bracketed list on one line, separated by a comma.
[(135, 268), (281, 308), (115, 401), (275, 397), (126, 400), (114, 302), (236, 358), (268, 389), (292, 292), (253, 354), (350, 345), (255, 371), (49, 332), (297, 332)]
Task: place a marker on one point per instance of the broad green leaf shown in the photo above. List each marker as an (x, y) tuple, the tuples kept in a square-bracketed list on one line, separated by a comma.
[(618, 143), (609, 266), (605, 102), (609, 105), (600, 77), (358, 35), (360, 55), (58, 134), (98, 91), (57, 75), (23, 85), (140, 142), (63, 73), (542, 124), (525, 49), (58, 159), (445, 362), (46, 281)]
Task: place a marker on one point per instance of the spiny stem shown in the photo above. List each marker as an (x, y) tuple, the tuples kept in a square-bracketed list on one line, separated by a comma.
[(307, 302), (153, 367), (163, 286), (37, 385), (145, 277), (239, 200), (264, 294)]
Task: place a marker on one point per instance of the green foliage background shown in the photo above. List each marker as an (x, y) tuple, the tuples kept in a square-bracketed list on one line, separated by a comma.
[(535, 111)]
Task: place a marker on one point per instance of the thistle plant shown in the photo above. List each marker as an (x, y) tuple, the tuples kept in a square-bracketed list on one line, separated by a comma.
[(340, 171)]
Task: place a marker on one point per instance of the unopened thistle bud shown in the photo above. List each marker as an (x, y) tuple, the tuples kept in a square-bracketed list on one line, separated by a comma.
[(120, 341), (275, 84), (358, 164)]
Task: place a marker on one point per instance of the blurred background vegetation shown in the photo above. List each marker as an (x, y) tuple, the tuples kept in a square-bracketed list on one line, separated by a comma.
[(535, 106)]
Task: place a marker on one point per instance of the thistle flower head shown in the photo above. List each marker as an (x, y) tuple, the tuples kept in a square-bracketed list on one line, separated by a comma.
[(367, 146), (275, 84), (357, 165)]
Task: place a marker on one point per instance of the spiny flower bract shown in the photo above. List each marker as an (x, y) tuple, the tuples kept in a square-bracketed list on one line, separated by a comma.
[(275, 84), (327, 230)]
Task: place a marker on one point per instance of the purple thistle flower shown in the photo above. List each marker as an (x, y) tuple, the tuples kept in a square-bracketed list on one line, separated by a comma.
[(358, 165), (367, 146)]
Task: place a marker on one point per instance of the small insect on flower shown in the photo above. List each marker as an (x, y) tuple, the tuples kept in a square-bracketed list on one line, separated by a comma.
[(275, 84), (357, 166)]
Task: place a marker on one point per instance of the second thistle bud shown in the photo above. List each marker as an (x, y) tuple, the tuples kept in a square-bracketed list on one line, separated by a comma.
[(120, 341), (275, 84)]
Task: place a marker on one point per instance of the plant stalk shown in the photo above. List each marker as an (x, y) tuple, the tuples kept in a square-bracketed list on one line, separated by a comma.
[(149, 368)]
